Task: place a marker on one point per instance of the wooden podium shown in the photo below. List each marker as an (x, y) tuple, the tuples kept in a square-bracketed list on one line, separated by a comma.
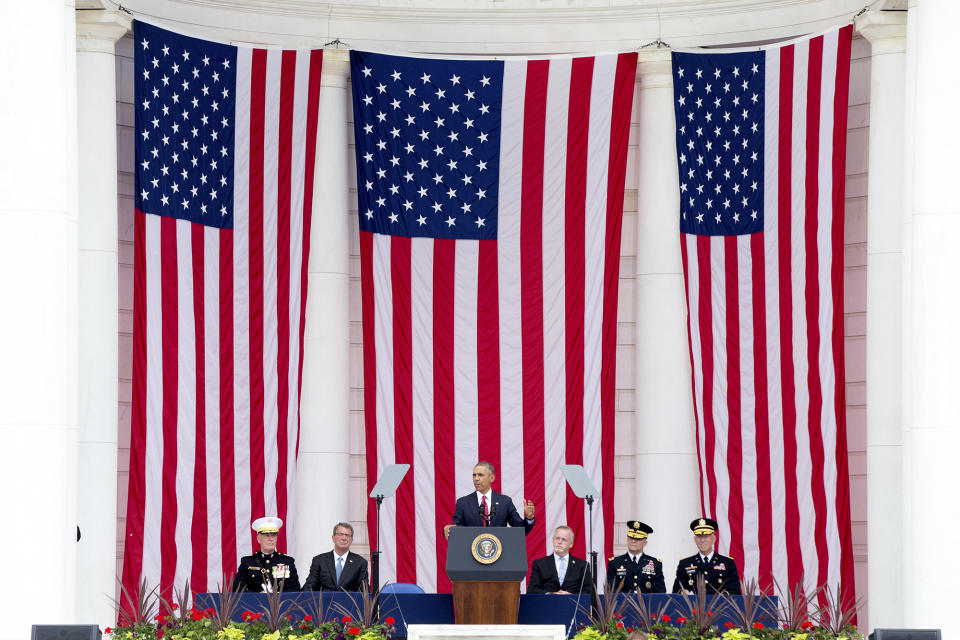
[(486, 565)]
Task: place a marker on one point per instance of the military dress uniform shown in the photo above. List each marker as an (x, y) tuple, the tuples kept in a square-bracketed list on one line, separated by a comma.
[(261, 569), (719, 573), (645, 575)]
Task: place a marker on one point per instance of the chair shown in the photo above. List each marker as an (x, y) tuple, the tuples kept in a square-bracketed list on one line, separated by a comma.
[(401, 587)]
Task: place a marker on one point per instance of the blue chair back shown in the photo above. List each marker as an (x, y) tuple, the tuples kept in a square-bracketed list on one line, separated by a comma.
[(401, 587)]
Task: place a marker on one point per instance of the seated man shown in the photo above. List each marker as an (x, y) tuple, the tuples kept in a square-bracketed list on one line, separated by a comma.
[(486, 508), (560, 572), (719, 572), (340, 568), (635, 570), (267, 569)]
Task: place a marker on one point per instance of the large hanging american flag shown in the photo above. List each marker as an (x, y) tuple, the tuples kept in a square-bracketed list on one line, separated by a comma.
[(490, 206), (761, 141), (225, 149)]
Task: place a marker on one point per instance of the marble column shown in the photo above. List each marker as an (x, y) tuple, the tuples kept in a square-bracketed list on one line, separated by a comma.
[(38, 335), (323, 463), (886, 31), (664, 440), (97, 32), (934, 433)]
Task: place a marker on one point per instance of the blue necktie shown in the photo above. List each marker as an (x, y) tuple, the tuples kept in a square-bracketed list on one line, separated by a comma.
[(563, 569), (339, 568)]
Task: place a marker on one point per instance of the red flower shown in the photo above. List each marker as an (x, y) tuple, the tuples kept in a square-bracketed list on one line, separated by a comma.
[(619, 625), (682, 619), (629, 629), (728, 624), (354, 631), (289, 617), (709, 613), (209, 611), (175, 606), (758, 625), (806, 625), (389, 620), (107, 630), (246, 615), (665, 618), (345, 619), (307, 618), (159, 633)]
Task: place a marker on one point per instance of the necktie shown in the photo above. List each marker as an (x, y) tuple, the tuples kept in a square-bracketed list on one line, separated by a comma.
[(486, 511), (636, 559), (563, 569), (339, 568)]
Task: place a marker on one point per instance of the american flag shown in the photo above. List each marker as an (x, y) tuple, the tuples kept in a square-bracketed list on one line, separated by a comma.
[(490, 204), (225, 150), (761, 141)]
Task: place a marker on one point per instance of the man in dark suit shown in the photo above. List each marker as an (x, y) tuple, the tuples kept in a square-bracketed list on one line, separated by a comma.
[(340, 569), (487, 508), (719, 572), (267, 569), (635, 570), (560, 572)]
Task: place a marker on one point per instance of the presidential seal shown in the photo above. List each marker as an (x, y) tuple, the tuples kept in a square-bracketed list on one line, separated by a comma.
[(486, 548)]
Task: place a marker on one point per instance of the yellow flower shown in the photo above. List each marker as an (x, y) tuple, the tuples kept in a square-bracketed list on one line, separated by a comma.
[(590, 633), (272, 636), (231, 633)]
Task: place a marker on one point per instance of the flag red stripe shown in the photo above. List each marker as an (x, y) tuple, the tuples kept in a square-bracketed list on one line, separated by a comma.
[(488, 354), (531, 289), (734, 417), (785, 251), (837, 199), (284, 152), (811, 227), (255, 252), (136, 496), (198, 533), (578, 132), (705, 313), (402, 398), (444, 425), (228, 519), (762, 415), (693, 365), (369, 375), (622, 106), (170, 330)]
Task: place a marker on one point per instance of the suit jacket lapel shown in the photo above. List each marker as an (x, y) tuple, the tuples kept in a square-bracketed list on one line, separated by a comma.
[(331, 566)]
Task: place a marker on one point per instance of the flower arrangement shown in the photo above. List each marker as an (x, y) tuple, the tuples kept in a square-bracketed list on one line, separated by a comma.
[(148, 616), (796, 618)]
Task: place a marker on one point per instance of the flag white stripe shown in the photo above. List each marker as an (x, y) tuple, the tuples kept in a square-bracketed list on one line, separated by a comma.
[(748, 430), (508, 259), (554, 311), (721, 414), (241, 307), (466, 426), (186, 402), (211, 385), (421, 312), (771, 162), (383, 328), (153, 457)]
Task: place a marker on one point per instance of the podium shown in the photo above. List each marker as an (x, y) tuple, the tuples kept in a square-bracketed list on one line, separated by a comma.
[(486, 565)]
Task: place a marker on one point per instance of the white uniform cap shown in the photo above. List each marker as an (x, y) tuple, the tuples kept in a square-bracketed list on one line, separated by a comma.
[(269, 524)]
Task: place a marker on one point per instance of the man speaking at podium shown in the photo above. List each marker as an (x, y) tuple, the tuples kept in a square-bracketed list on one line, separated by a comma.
[(487, 508)]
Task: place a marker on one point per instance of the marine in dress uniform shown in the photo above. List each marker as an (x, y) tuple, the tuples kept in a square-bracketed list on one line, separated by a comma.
[(719, 572), (267, 567), (635, 570)]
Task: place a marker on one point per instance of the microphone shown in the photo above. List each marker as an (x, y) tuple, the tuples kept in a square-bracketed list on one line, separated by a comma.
[(583, 577), (493, 512), (483, 516)]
